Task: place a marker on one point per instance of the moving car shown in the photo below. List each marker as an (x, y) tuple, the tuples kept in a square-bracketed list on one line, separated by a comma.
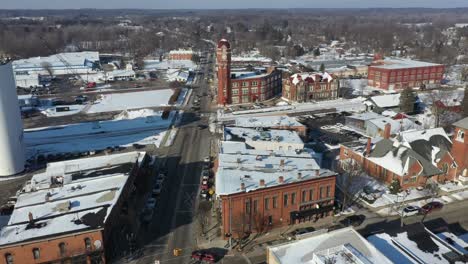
[(204, 256), (411, 210), (432, 206)]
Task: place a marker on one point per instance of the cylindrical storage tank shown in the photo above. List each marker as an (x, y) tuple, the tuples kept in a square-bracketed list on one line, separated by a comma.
[(12, 153)]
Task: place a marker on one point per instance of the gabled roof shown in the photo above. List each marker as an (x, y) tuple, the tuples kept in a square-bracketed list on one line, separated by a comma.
[(462, 123), (387, 100)]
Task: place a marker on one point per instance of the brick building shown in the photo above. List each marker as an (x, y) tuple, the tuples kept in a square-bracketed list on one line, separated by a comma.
[(414, 158), (396, 74), (240, 86), (305, 87), (460, 149), (181, 54), (258, 192), (71, 212)]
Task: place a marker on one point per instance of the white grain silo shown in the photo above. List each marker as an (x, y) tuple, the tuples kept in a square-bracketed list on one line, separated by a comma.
[(12, 155)]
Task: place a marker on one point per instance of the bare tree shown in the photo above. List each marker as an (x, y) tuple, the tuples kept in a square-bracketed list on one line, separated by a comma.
[(202, 215), (351, 181)]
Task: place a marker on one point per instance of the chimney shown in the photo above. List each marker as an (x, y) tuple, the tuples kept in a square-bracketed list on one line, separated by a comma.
[(280, 179), (242, 186), (282, 162), (262, 183), (47, 196), (31, 218), (317, 172), (387, 131), (299, 175), (368, 147)]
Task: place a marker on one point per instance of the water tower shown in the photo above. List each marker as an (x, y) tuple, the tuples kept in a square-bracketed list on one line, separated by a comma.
[(12, 154)]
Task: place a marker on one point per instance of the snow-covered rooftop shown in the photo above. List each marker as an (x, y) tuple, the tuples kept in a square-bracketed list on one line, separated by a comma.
[(73, 59), (401, 63), (267, 121), (240, 148), (426, 134), (181, 51), (310, 77), (365, 116), (83, 202), (273, 135), (387, 100), (329, 246)]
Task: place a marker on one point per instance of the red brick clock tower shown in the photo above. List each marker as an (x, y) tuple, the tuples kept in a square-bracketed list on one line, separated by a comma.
[(223, 56)]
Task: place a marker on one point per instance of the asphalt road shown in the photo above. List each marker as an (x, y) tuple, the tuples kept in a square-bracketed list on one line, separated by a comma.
[(173, 224)]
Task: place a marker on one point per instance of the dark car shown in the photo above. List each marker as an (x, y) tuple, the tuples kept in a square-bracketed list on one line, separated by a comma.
[(411, 210), (301, 231), (432, 206), (353, 220)]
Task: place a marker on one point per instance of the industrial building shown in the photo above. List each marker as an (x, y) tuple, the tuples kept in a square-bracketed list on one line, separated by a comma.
[(70, 213), (57, 64), (397, 74), (181, 54), (11, 126), (241, 86)]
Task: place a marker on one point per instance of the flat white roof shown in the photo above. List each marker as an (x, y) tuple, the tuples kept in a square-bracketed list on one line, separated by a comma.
[(387, 100), (72, 58), (273, 135), (80, 204), (400, 63), (366, 116), (267, 121), (235, 147), (325, 246)]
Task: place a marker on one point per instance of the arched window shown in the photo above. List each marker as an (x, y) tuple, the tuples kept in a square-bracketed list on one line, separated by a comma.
[(36, 253), (62, 248), (87, 242), (9, 258)]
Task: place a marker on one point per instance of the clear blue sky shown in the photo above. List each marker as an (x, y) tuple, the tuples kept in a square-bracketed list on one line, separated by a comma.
[(205, 4)]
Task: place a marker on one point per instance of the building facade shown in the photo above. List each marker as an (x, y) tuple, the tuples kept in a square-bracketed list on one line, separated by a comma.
[(181, 55), (460, 149), (284, 203), (397, 74), (305, 87), (244, 86)]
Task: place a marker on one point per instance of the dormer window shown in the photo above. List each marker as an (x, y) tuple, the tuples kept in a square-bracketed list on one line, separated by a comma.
[(461, 135)]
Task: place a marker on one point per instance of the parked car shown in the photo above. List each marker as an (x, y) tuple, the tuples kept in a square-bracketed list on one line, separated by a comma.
[(301, 231), (206, 173), (150, 203), (353, 220), (156, 190), (432, 206), (411, 210), (207, 159)]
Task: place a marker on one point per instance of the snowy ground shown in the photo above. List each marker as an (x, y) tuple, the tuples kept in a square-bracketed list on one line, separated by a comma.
[(135, 100), (454, 74), (140, 127)]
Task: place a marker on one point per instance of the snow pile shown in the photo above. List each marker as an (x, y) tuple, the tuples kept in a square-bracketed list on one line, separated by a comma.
[(136, 114)]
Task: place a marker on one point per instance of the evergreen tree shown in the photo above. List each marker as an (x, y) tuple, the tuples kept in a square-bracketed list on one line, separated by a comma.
[(407, 100), (317, 52), (322, 67)]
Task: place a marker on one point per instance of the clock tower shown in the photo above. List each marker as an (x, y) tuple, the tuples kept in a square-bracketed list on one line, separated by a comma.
[(223, 57)]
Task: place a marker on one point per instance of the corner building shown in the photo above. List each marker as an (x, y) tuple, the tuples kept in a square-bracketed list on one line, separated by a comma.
[(244, 85)]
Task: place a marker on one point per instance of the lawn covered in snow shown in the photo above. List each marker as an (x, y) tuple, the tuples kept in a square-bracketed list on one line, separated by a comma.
[(124, 101)]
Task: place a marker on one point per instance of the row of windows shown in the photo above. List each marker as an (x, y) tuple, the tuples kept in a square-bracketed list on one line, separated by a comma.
[(254, 83), (408, 72), (289, 199), (36, 252)]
